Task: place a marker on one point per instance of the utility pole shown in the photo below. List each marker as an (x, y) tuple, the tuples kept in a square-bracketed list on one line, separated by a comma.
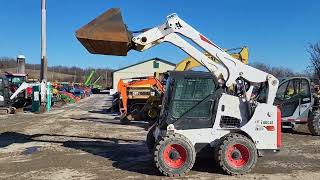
[(107, 79), (44, 63), (75, 76), (52, 74)]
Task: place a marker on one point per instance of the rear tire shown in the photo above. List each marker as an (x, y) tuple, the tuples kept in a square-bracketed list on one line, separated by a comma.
[(174, 155), (314, 123), (236, 154), (151, 140)]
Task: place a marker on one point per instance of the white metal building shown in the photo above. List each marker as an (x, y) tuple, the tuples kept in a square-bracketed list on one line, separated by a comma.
[(142, 69)]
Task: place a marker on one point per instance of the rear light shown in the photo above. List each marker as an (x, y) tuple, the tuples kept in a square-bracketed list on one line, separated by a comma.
[(279, 133), (29, 90)]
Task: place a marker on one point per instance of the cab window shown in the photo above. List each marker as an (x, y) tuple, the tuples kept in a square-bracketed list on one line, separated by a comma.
[(305, 89), (188, 93)]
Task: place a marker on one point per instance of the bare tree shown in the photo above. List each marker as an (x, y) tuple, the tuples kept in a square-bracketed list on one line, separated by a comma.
[(279, 72), (314, 53)]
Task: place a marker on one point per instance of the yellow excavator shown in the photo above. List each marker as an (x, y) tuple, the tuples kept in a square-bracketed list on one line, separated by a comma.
[(189, 62)]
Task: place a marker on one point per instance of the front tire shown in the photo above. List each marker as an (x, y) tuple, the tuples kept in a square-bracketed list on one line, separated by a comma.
[(236, 154), (314, 123), (174, 155)]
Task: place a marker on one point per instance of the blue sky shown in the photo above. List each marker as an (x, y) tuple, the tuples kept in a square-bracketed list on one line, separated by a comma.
[(277, 32)]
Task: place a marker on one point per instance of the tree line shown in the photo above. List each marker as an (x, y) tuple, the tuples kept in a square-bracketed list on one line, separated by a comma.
[(76, 74), (312, 70), (60, 73)]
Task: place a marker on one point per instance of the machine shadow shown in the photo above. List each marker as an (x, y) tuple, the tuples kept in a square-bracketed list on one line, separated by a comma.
[(115, 121), (132, 157), (101, 111), (128, 155)]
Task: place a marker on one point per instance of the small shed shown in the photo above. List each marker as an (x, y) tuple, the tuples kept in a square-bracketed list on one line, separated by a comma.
[(142, 69)]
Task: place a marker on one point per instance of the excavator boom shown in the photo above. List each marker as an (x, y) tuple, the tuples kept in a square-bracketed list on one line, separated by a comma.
[(189, 62)]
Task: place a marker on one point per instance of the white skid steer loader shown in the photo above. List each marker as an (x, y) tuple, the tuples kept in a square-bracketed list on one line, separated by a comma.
[(216, 109)]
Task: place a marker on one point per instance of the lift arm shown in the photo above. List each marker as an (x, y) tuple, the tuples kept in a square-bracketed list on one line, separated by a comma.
[(225, 67), (23, 86), (107, 34)]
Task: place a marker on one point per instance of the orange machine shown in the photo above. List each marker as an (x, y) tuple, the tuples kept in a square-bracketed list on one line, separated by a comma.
[(136, 94)]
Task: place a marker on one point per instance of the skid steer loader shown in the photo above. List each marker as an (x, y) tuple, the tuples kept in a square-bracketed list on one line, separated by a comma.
[(298, 105), (213, 109)]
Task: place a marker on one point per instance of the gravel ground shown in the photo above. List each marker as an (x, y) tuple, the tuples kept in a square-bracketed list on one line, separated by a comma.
[(84, 141)]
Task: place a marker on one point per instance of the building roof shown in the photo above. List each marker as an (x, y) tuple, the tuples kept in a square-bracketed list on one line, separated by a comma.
[(153, 59)]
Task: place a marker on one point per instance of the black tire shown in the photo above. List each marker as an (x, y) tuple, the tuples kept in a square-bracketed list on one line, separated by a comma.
[(314, 122), (151, 140), (135, 112), (174, 155), (13, 110), (19, 103), (148, 114), (236, 154), (124, 121)]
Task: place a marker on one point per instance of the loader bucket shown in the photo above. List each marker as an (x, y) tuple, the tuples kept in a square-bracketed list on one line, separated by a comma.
[(107, 34)]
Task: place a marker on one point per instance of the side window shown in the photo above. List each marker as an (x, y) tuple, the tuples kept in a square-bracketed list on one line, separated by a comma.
[(305, 89), (281, 90), (155, 64), (188, 93)]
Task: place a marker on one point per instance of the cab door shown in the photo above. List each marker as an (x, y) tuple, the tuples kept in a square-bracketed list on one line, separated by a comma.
[(305, 99)]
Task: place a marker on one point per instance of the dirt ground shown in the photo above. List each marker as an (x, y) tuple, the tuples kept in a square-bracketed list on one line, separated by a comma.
[(84, 141)]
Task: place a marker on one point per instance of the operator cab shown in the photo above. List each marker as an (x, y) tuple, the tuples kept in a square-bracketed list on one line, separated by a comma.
[(4, 92), (16, 78), (189, 100)]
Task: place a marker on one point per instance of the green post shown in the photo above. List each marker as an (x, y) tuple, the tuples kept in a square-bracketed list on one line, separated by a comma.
[(49, 96), (35, 99)]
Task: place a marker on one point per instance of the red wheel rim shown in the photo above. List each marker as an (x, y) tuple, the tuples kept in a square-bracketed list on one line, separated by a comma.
[(175, 155), (238, 155)]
